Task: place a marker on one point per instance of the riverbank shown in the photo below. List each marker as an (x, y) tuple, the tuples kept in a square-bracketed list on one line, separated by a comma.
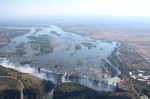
[(33, 87), (138, 36), (77, 91), (61, 52), (7, 34), (132, 64)]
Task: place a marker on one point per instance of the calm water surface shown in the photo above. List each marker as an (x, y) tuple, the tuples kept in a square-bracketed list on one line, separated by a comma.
[(71, 53)]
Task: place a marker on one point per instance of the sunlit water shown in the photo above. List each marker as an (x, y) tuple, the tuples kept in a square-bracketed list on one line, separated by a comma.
[(64, 58)]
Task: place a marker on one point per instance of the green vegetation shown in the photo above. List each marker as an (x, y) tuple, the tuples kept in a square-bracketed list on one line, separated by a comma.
[(141, 87), (11, 33), (6, 34), (88, 45), (21, 45), (10, 94), (28, 62), (103, 69), (77, 91), (37, 30), (43, 42), (110, 68), (55, 33), (114, 59), (70, 87), (77, 47), (125, 67), (34, 88), (9, 83), (9, 88), (20, 52)]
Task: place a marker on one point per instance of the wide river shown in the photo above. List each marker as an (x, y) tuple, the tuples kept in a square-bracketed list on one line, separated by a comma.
[(70, 53)]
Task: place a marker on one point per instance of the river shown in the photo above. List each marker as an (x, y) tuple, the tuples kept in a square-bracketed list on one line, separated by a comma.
[(60, 52)]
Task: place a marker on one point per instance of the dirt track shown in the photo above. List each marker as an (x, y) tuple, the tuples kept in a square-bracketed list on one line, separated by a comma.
[(22, 86)]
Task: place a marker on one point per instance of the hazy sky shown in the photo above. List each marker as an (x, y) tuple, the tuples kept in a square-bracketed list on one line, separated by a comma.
[(13, 8)]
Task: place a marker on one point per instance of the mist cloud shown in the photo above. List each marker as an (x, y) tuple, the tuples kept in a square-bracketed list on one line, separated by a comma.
[(22, 68)]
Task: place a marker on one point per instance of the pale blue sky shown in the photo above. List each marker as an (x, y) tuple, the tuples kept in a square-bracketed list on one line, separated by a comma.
[(13, 8)]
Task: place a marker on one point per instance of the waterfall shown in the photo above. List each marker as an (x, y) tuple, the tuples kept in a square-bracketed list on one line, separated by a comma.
[(58, 78)]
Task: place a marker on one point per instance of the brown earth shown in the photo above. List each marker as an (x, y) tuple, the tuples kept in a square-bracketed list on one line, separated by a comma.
[(138, 35), (7, 34), (4, 41)]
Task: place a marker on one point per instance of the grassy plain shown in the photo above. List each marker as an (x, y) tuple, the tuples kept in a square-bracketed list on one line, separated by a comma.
[(137, 34), (34, 87)]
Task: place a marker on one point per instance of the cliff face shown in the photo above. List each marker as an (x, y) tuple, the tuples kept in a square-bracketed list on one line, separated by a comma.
[(10, 94), (77, 91), (12, 81)]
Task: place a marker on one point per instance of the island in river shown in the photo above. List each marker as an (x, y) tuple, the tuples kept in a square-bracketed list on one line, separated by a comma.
[(67, 57), (64, 53)]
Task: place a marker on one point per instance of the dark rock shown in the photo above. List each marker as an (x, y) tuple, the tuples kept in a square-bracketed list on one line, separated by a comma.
[(77, 91)]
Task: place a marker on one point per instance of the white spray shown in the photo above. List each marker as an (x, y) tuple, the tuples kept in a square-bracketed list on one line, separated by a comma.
[(59, 78), (22, 68)]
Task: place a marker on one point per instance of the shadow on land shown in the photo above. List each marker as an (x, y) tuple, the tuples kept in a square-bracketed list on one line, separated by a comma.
[(77, 91)]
